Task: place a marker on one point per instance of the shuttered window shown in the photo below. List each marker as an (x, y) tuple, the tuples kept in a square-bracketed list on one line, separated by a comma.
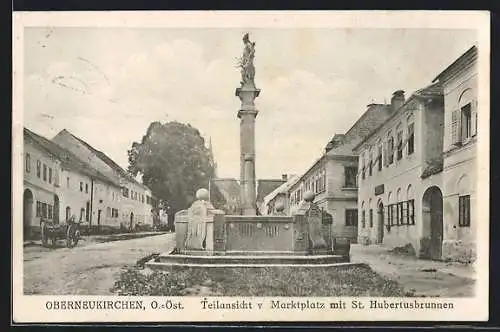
[(474, 118), (455, 127), (411, 139)]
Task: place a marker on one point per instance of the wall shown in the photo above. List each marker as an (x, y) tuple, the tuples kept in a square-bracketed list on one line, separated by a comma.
[(128, 205), (41, 190), (459, 173), (401, 180), (433, 131), (71, 196)]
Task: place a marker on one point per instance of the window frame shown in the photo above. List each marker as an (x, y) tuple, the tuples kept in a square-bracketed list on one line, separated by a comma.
[(38, 169), (464, 211), (27, 163), (351, 217), (411, 139), (466, 122)]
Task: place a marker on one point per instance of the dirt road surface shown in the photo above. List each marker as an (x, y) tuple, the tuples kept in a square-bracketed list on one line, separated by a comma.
[(87, 269), (418, 276)]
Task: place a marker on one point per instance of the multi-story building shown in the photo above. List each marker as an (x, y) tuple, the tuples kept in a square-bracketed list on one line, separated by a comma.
[(400, 165), (265, 187), (279, 196), (135, 206), (333, 176), (460, 86), (229, 191), (61, 184), (40, 180)]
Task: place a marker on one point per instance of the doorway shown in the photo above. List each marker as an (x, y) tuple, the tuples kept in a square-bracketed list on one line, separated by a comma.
[(55, 217), (27, 213), (432, 214), (380, 223), (131, 227), (99, 220)]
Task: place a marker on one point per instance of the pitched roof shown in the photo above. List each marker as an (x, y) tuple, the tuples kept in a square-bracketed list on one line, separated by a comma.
[(281, 189), (266, 186), (110, 162), (467, 54), (229, 188), (433, 90), (67, 158)]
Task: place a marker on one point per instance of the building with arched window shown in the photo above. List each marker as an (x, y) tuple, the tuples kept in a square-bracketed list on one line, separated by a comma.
[(398, 161), (460, 84), (425, 186), (333, 177)]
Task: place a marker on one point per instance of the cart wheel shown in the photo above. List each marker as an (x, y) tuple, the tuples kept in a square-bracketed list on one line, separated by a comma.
[(77, 237), (70, 237), (43, 234)]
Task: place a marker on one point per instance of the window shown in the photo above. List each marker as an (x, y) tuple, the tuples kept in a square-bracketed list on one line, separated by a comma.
[(411, 139), (67, 181), (49, 211), (402, 213), (379, 158), (371, 218), (370, 164), (108, 212), (81, 186), (38, 167), (466, 121), (464, 211), (44, 172), (38, 209), (82, 213), (86, 188), (27, 163), (142, 198), (50, 175), (363, 218), (350, 176), (411, 212), (87, 212), (390, 156), (351, 217), (125, 192), (400, 145)]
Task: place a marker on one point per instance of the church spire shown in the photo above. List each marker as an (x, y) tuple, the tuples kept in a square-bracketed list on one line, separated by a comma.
[(211, 156)]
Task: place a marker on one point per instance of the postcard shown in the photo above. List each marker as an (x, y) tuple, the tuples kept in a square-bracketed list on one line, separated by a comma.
[(212, 166)]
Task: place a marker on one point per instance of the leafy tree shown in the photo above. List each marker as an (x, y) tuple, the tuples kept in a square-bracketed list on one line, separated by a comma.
[(174, 163)]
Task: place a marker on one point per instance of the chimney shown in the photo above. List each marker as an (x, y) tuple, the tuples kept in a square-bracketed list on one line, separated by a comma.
[(398, 99), (284, 177)]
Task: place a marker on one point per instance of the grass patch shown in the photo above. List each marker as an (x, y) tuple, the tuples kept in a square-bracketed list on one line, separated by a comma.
[(257, 281)]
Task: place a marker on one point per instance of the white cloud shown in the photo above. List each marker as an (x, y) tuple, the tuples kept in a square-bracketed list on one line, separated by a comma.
[(313, 86)]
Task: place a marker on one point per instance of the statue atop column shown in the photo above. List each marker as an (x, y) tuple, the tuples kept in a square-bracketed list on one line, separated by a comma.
[(246, 62)]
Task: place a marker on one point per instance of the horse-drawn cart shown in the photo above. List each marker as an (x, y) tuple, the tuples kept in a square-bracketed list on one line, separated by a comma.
[(69, 231)]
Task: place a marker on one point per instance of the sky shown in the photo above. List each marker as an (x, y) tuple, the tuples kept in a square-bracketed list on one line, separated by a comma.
[(106, 85)]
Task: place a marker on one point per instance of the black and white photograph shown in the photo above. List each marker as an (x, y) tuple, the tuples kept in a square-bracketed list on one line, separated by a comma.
[(237, 166)]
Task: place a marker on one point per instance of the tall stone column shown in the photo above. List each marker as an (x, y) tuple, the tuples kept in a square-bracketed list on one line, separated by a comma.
[(247, 115)]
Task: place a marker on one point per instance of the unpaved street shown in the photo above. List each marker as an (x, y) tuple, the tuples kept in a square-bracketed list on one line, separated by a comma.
[(87, 269), (421, 277)]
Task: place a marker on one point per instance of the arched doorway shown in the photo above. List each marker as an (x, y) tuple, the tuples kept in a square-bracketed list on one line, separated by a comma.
[(131, 226), (27, 213), (68, 213), (55, 217), (432, 218), (380, 222)]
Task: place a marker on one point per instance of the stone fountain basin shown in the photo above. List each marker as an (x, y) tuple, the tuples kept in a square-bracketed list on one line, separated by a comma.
[(247, 260)]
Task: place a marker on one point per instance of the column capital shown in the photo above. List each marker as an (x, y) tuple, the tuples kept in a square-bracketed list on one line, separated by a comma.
[(247, 112)]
